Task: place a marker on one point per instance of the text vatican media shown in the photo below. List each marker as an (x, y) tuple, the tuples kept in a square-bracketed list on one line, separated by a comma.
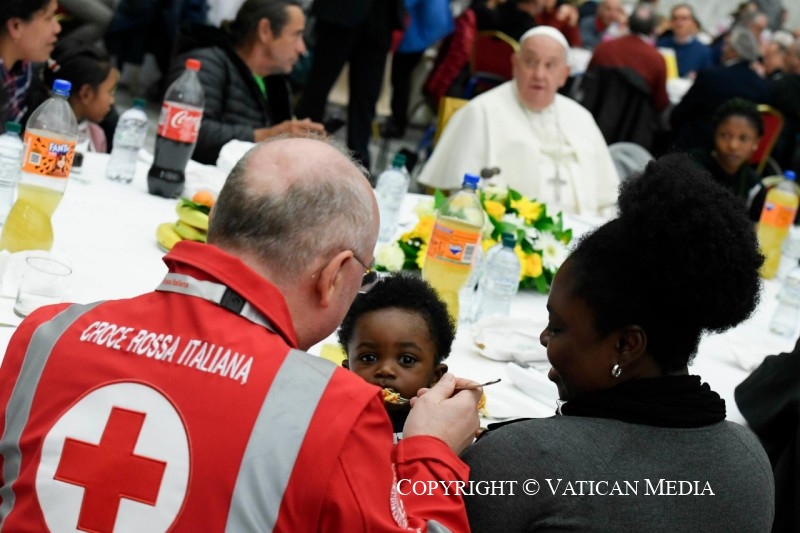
[(556, 487)]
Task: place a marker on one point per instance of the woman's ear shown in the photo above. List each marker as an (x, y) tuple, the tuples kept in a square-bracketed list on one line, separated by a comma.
[(346, 364), (13, 26), (631, 344)]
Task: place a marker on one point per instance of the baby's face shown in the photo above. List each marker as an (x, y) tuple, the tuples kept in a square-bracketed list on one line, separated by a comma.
[(392, 348)]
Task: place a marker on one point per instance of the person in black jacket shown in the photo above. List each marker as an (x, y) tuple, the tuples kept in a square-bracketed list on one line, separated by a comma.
[(769, 399), (243, 72), (358, 32), (690, 119)]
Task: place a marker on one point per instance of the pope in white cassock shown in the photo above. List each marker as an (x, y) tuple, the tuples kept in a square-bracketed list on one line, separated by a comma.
[(547, 146)]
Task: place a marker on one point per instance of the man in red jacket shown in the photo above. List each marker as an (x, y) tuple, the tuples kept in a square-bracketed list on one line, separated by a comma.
[(638, 52), (193, 408)]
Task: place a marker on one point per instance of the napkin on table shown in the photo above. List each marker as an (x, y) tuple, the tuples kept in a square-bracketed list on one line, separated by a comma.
[(533, 383)]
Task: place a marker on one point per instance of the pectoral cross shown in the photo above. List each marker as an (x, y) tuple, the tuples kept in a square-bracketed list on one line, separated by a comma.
[(557, 182)]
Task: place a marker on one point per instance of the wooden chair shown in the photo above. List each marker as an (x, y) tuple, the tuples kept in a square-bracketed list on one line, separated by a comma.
[(773, 125), (447, 106), (490, 64)]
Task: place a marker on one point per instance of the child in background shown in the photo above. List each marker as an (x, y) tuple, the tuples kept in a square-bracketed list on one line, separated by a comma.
[(737, 131), (396, 337), (94, 81)]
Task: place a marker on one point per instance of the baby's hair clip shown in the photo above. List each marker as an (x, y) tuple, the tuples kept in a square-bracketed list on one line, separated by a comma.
[(52, 65)]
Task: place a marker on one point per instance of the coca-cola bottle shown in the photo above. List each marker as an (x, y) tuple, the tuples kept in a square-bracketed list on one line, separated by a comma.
[(178, 126)]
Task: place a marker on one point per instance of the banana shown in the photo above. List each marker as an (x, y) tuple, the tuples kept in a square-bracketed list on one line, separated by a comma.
[(191, 216), (166, 236), (188, 232)]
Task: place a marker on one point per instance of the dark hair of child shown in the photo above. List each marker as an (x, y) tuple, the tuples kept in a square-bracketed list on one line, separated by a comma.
[(411, 293), (681, 259), (738, 107), (79, 64)]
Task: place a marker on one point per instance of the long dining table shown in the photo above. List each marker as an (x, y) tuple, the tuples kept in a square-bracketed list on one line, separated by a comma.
[(107, 232)]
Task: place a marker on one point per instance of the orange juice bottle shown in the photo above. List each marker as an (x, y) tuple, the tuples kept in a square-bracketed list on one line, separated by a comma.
[(49, 149), (456, 238), (780, 208)]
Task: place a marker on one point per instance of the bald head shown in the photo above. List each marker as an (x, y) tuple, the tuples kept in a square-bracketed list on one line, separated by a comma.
[(290, 203), (277, 165)]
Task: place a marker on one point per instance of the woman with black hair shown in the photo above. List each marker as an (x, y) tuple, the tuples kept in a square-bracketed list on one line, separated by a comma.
[(626, 314), (28, 30)]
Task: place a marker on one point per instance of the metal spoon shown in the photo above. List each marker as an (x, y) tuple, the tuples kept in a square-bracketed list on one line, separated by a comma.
[(399, 400)]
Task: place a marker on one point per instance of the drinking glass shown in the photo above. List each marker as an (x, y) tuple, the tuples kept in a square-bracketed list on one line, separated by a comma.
[(44, 281)]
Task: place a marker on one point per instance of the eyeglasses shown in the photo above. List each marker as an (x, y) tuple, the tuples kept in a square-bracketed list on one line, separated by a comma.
[(371, 277)]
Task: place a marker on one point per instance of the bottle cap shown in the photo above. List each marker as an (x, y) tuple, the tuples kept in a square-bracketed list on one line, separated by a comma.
[(509, 239), (471, 181), (62, 87), (141, 103), (13, 127), (192, 64), (790, 175), (399, 160)]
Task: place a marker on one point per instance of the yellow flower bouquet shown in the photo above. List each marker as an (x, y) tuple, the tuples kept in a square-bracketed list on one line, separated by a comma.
[(541, 238)]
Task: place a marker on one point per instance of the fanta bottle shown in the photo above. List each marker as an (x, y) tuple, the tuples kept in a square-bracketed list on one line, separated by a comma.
[(455, 240), (778, 213), (49, 149)]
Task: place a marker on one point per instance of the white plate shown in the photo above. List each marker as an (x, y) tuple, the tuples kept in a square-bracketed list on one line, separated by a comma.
[(503, 338)]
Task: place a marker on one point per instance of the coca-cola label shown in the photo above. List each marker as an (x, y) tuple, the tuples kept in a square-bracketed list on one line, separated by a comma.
[(179, 122)]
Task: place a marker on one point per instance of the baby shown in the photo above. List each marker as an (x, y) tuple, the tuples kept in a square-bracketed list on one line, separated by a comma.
[(396, 337)]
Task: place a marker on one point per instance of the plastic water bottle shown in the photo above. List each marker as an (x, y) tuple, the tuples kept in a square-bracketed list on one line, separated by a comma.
[(81, 147), (468, 295), (49, 150), (790, 253), (390, 189), (11, 152), (499, 281), (780, 208), (456, 237), (129, 137), (178, 126), (787, 315)]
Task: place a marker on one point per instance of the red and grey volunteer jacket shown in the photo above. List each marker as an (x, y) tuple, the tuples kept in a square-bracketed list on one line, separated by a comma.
[(190, 409)]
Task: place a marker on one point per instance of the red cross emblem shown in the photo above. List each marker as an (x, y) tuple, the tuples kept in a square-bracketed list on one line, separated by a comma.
[(110, 470)]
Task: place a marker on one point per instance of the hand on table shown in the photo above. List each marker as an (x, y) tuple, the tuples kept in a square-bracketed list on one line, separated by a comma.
[(289, 127), (450, 417)]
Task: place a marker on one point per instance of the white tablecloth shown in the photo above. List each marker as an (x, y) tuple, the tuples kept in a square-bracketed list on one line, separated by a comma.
[(107, 232), (723, 360)]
